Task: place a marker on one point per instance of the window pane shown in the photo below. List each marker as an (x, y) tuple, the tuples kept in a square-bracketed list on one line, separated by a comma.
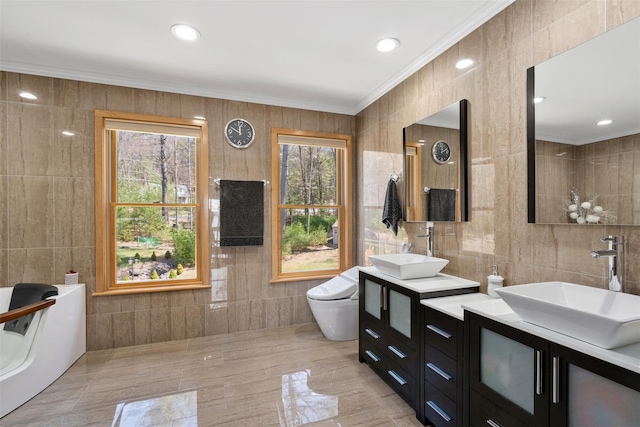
[(309, 239), (153, 168), (310, 175), (156, 239)]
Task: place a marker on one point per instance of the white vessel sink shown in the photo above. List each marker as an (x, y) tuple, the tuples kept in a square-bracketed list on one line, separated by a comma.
[(408, 266), (598, 316)]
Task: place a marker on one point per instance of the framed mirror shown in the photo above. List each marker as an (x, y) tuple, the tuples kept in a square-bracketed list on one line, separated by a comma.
[(583, 169), (435, 166)]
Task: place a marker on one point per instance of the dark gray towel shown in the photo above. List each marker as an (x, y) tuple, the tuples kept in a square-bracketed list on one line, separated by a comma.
[(241, 213), (442, 205), (392, 211)]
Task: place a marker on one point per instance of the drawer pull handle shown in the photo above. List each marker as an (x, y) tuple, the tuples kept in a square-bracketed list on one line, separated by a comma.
[(397, 352), (439, 410), (373, 334), (397, 377), (439, 371), (555, 395), (439, 331), (493, 423), (538, 372), (372, 355)]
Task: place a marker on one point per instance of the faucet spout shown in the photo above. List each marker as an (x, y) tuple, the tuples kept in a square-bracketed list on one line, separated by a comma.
[(615, 254), (604, 253)]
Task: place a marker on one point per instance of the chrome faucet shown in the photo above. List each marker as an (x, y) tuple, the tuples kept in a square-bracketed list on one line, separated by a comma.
[(615, 253), (429, 236)]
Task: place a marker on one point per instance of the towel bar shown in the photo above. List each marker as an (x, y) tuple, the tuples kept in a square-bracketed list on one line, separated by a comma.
[(426, 189), (217, 181)]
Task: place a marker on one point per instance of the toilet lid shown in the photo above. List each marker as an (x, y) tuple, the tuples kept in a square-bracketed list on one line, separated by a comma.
[(337, 288)]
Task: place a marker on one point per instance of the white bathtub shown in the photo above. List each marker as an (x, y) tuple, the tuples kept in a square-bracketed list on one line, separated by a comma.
[(59, 339)]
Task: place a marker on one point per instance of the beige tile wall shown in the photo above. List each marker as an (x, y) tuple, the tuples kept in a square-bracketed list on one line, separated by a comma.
[(523, 35), (47, 211)]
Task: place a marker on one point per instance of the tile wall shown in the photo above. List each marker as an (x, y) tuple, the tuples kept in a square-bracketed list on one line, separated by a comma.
[(47, 221), (525, 34)]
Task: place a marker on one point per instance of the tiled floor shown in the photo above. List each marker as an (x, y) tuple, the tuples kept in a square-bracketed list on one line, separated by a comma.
[(279, 377)]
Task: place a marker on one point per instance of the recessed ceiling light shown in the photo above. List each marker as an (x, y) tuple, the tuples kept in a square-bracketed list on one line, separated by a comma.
[(387, 45), (605, 122), (27, 95), (199, 118), (464, 63), (538, 99), (185, 32), (67, 133)]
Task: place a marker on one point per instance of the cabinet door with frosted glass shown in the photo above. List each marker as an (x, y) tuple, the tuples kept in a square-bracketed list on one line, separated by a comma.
[(586, 391), (508, 368)]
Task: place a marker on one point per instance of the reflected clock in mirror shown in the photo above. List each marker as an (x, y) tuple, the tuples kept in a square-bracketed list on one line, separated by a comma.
[(571, 159), (435, 157)]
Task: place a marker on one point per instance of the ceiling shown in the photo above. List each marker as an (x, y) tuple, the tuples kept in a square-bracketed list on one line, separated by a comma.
[(317, 55)]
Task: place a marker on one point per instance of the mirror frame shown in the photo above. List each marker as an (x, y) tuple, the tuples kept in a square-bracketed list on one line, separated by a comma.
[(463, 168), (531, 147)]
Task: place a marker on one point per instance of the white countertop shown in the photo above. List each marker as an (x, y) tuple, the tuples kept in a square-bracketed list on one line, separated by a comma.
[(627, 357), (452, 305), (439, 282)]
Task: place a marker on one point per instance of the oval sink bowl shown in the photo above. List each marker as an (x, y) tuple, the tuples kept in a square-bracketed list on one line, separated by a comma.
[(408, 266), (598, 316)]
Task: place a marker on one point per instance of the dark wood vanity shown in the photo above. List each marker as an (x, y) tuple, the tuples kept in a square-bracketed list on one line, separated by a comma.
[(459, 358)]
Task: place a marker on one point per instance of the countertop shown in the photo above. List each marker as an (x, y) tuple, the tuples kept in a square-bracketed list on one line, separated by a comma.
[(439, 282), (627, 357), (452, 305)]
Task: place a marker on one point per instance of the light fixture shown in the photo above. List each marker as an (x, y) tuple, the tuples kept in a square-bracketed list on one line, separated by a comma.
[(199, 118), (387, 45), (538, 99), (605, 122), (27, 95), (185, 32), (67, 133), (464, 63)]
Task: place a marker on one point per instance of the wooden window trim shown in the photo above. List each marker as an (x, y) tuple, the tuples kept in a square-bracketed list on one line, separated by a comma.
[(345, 206), (105, 277)]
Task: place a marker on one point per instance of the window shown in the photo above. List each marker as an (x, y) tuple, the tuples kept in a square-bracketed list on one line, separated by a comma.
[(151, 203), (311, 214)]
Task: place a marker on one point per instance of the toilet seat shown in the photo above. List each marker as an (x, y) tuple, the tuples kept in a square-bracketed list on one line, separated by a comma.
[(335, 289)]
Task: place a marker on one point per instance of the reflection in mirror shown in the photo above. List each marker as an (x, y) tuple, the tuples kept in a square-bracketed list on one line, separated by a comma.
[(435, 166), (581, 171)]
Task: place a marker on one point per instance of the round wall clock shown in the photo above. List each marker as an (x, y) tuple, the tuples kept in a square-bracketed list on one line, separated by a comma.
[(239, 133), (441, 152)]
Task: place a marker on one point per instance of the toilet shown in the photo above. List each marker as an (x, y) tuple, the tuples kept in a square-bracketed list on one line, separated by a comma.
[(334, 305)]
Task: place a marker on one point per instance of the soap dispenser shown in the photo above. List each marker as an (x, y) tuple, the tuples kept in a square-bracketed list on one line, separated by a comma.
[(494, 281)]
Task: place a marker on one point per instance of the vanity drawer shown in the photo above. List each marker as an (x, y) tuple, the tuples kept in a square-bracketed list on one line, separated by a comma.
[(403, 383), (439, 409), (441, 371), (483, 412), (442, 332), (402, 356), (373, 333), (372, 355)]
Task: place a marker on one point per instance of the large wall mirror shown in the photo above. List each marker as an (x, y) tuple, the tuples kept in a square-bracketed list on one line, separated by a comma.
[(435, 166), (583, 132)]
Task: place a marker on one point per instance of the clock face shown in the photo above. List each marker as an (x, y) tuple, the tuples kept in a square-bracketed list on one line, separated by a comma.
[(239, 133), (441, 152)]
